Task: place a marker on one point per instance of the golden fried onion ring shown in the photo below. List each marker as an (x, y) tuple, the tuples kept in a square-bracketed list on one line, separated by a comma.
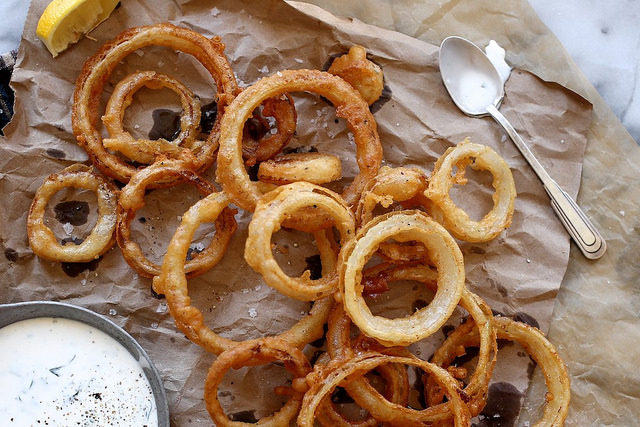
[(145, 150), (553, 368), (535, 344), (168, 173), (322, 382), (283, 110), (453, 218), (42, 240), (250, 353), (316, 168), (271, 211), (97, 69), (172, 282), (444, 253), (230, 172), (361, 73)]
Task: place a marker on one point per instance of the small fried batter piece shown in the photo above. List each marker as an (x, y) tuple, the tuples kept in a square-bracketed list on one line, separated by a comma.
[(361, 73)]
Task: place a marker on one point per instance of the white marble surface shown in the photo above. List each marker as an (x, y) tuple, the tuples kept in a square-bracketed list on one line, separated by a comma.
[(13, 13), (603, 37)]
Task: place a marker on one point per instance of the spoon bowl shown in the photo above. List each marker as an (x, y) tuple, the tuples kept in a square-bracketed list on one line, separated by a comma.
[(475, 86), (469, 76)]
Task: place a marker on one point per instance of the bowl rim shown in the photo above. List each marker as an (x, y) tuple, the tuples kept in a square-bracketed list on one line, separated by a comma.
[(15, 312)]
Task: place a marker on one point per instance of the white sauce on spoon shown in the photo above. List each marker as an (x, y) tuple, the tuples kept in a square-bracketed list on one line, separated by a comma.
[(496, 55), (57, 371)]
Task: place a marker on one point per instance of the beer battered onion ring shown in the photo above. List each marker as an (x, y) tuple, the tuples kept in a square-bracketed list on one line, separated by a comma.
[(230, 172), (145, 150), (97, 70), (443, 177), (271, 211), (172, 282), (42, 240), (322, 382), (444, 253), (316, 168), (259, 351), (168, 173), (553, 368), (535, 344), (283, 110)]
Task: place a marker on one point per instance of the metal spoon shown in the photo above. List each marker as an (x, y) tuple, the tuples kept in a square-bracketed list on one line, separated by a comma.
[(477, 89)]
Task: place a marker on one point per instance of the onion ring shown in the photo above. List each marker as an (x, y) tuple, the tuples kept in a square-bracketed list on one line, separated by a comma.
[(230, 172), (453, 218), (553, 368), (479, 321), (42, 240), (260, 351), (322, 382), (444, 253), (97, 69), (145, 150), (316, 168), (274, 208), (396, 390), (172, 282), (132, 199), (282, 109)]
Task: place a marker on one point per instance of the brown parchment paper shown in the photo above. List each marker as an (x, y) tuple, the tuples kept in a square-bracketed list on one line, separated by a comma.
[(520, 272), (596, 322)]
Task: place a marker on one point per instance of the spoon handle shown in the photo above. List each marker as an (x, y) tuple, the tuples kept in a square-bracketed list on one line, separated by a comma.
[(583, 232)]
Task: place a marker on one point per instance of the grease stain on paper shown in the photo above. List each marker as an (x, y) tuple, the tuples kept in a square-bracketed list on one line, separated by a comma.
[(502, 408), (166, 124), (72, 212)]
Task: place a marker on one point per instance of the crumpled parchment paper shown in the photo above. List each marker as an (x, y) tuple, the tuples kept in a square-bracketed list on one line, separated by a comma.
[(518, 273)]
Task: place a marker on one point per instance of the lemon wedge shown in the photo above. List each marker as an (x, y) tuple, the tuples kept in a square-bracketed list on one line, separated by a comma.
[(63, 22)]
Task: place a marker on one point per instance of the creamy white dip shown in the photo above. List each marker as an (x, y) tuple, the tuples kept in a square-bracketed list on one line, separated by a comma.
[(56, 371)]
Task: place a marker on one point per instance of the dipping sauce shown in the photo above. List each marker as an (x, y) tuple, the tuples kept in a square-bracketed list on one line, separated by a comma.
[(57, 371)]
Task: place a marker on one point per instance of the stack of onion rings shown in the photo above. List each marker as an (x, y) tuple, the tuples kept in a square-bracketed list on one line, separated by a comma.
[(231, 173), (97, 69)]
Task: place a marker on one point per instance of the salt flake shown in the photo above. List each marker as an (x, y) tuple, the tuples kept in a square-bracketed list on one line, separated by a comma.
[(68, 228)]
